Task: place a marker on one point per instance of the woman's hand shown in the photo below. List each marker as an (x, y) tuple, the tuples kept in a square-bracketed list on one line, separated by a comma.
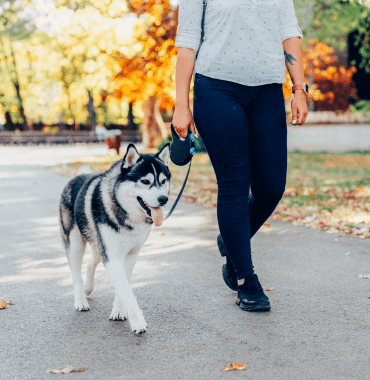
[(299, 107), (182, 118)]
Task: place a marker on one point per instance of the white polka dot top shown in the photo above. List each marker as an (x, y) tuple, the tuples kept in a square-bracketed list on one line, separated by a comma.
[(242, 40)]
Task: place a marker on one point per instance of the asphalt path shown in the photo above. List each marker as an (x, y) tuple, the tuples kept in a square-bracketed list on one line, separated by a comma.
[(318, 327)]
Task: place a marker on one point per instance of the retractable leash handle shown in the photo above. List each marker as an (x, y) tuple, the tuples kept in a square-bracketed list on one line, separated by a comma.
[(181, 152)]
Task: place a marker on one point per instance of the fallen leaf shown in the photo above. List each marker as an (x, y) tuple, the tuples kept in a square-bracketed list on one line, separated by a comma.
[(163, 233), (236, 365), (268, 289), (230, 367), (3, 304), (290, 191), (362, 191), (364, 275), (308, 191), (239, 366), (67, 369), (266, 224)]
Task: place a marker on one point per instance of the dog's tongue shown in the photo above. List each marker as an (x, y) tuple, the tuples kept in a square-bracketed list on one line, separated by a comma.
[(157, 215)]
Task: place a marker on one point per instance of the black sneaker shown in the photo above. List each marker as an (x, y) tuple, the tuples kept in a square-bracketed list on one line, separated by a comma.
[(251, 296), (229, 277)]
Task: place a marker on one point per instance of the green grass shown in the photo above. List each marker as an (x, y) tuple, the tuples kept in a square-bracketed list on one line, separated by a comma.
[(320, 183)]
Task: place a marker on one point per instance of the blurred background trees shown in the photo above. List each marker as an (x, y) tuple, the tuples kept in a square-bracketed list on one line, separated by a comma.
[(53, 54)]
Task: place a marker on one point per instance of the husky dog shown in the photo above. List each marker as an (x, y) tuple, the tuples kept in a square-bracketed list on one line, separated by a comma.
[(114, 212)]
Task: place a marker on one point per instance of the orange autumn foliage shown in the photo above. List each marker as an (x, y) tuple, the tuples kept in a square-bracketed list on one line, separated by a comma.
[(333, 85), (147, 71)]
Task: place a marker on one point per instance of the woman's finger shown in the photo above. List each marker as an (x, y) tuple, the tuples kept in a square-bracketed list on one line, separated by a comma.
[(294, 115), (300, 116), (182, 132), (192, 129), (304, 117), (302, 113)]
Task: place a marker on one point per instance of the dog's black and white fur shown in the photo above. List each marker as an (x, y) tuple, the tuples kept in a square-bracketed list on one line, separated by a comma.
[(109, 211)]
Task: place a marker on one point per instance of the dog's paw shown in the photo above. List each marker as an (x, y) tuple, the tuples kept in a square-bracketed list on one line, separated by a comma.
[(137, 323), (88, 288), (82, 305), (118, 314)]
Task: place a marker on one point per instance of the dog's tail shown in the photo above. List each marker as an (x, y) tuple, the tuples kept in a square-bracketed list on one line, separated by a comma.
[(84, 169)]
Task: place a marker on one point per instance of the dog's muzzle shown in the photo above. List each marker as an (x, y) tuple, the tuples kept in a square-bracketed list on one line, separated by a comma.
[(156, 213)]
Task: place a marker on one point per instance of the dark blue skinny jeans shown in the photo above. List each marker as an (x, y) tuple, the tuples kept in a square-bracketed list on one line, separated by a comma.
[(245, 133)]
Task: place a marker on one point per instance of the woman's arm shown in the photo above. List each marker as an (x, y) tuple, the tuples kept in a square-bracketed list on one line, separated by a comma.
[(182, 116), (188, 38), (294, 64), (291, 34), (184, 72)]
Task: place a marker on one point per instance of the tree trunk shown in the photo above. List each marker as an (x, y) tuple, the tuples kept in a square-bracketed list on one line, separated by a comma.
[(13, 73), (130, 117), (67, 92), (92, 113), (153, 128), (21, 108), (8, 121)]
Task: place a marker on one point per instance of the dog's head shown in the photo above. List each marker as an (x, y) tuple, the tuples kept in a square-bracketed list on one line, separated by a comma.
[(147, 179)]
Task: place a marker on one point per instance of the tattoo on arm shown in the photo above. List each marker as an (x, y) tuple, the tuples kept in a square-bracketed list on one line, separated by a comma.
[(289, 57)]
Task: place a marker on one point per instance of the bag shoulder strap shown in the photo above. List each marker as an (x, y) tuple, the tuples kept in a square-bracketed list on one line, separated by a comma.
[(202, 34)]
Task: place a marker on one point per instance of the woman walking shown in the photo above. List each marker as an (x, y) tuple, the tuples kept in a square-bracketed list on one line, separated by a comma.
[(238, 109)]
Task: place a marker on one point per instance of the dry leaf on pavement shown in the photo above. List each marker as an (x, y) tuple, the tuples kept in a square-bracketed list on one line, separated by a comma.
[(230, 367), (67, 369), (5, 304), (236, 365), (239, 366), (268, 289)]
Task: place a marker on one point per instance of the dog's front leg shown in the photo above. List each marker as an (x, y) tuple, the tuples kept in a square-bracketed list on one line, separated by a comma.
[(119, 312), (117, 274)]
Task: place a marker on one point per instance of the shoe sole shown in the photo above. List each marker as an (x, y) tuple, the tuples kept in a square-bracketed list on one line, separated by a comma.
[(220, 246), (265, 307), (223, 254)]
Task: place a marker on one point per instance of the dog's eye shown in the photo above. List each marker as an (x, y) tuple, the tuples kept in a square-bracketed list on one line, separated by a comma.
[(163, 182), (145, 182)]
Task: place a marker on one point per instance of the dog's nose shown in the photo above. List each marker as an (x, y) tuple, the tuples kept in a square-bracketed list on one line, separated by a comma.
[(162, 200)]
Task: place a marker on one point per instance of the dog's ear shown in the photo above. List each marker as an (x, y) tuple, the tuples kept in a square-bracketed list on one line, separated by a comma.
[(164, 154), (130, 157)]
